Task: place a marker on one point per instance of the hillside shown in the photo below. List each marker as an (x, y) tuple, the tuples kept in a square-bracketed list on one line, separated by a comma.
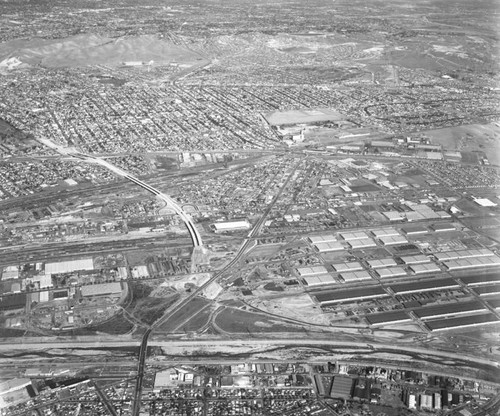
[(91, 49)]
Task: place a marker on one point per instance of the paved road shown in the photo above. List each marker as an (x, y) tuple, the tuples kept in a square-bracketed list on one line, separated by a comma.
[(248, 243), (195, 235)]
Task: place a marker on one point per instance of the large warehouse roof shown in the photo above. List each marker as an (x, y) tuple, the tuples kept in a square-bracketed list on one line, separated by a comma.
[(487, 290), (342, 387), (312, 270), (424, 286), (417, 229), (102, 289), (387, 318), (481, 279), (377, 263), (385, 232), (69, 266), (325, 238), (356, 235), (473, 262), (390, 272), (424, 268), (462, 322), (347, 266), (362, 243), (329, 246), (392, 239), (318, 280), (458, 308), (355, 276), (419, 258), (463, 254), (345, 295), (231, 225)]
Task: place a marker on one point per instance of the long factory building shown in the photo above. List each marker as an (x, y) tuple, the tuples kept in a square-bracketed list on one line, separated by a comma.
[(365, 272)]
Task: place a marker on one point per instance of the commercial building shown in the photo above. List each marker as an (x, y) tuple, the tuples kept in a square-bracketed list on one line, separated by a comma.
[(10, 272), (350, 295), (319, 280), (410, 400), (440, 227), (69, 266), (44, 280), (166, 379), (463, 254), (13, 302), (471, 263), (220, 227), (417, 259), (356, 235), (462, 322), (361, 243), (325, 238), (449, 309), (388, 318), (15, 391), (390, 272), (102, 289), (378, 263), (415, 230), (311, 270), (385, 232), (425, 401), (342, 387), (487, 290), (494, 302), (424, 268), (358, 276), (329, 246), (391, 240), (44, 296), (347, 266), (424, 286), (394, 215), (484, 202), (481, 279)]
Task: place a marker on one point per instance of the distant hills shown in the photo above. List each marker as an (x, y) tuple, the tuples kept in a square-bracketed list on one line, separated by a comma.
[(90, 49)]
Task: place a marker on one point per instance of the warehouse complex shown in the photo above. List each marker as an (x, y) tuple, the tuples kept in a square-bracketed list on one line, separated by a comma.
[(392, 266)]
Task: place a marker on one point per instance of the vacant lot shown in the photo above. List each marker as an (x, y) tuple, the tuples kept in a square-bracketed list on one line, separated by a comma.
[(183, 315), (239, 321), (302, 116), (116, 325), (148, 310), (470, 138)]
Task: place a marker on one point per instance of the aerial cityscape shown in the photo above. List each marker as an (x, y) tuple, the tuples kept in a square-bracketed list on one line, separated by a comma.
[(229, 207)]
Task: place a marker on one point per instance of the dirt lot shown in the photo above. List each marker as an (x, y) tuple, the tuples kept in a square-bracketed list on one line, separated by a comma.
[(184, 314), (239, 321), (470, 138)]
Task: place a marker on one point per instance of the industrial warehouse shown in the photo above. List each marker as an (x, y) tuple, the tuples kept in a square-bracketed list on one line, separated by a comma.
[(389, 267)]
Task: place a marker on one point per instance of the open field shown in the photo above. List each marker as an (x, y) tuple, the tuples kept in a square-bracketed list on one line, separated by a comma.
[(302, 116), (198, 321), (183, 315), (470, 138), (116, 325), (240, 321)]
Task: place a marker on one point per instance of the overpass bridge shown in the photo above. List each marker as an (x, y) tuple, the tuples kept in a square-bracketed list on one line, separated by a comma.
[(188, 221), (72, 152)]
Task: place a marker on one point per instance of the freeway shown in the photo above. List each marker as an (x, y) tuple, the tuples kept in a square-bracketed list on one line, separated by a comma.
[(195, 235), (248, 244)]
